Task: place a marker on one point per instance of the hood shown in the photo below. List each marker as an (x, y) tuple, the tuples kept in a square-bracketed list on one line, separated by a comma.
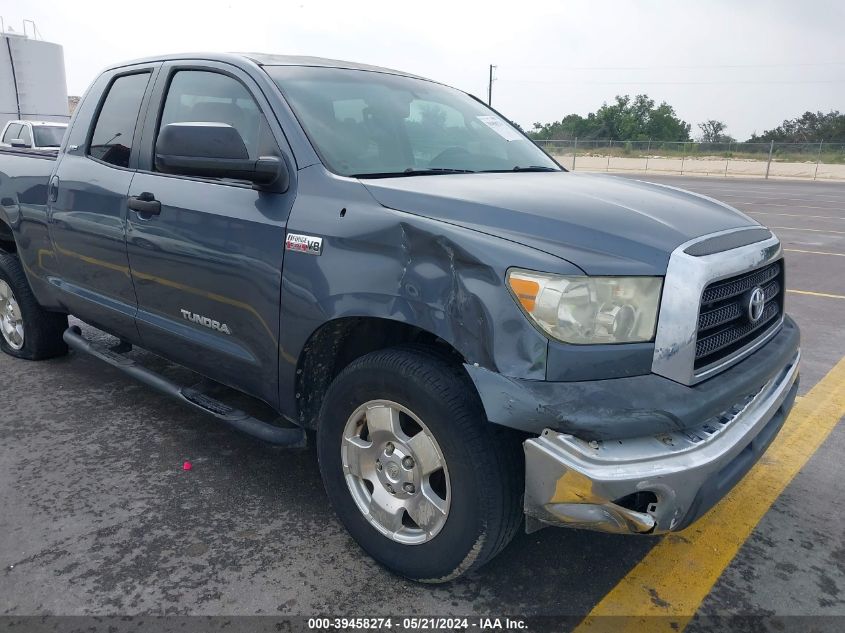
[(605, 225)]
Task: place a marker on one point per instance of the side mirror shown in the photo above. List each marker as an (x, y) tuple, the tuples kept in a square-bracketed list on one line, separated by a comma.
[(215, 150), (19, 142)]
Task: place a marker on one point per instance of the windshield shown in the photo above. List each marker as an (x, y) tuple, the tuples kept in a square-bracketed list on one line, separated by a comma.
[(372, 124), (48, 135)]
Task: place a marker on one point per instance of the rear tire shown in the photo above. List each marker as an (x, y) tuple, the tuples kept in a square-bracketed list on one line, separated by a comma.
[(454, 519), (26, 329)]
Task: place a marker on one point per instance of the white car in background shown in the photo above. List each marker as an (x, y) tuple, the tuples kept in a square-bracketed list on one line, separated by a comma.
[(33, 134)]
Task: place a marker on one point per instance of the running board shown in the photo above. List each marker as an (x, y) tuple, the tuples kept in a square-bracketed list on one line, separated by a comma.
[(243, 422)]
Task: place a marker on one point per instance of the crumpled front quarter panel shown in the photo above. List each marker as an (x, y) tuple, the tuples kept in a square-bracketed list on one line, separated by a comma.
[(379, 262)]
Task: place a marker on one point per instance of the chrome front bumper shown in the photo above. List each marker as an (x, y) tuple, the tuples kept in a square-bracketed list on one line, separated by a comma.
[(593, 485)]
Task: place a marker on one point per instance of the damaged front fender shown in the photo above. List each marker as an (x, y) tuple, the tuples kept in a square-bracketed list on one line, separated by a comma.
[(393, 265)]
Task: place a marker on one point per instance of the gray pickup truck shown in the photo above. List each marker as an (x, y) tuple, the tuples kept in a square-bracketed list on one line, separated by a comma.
[(474, 334)]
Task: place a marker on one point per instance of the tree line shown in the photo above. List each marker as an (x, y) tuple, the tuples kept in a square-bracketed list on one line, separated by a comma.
[(641, 119)]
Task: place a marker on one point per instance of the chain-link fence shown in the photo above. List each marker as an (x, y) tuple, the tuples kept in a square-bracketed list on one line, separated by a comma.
[(786, 160)]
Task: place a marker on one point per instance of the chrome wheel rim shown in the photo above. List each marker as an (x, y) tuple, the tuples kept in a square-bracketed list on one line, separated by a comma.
[(11, 320), (396, 472)]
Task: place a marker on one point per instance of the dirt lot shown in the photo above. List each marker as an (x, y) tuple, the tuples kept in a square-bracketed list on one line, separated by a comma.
[(97, 516)]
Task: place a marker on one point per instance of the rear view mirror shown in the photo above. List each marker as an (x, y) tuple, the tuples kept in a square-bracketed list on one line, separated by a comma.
[(19, 142), (215, 150)]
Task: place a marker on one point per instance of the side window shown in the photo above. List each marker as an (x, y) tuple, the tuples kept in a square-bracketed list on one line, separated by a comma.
[(205, 96), (12, 132), (112, 138), (26, 135)]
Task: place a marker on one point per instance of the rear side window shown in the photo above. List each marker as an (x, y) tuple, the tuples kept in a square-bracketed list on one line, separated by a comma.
[(204, 96), (48, 135), (112, 138), (12, 132)]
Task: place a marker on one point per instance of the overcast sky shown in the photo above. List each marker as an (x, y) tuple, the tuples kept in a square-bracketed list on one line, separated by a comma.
[(750, 63)]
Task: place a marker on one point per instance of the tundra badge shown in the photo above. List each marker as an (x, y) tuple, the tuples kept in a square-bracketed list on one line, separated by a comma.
[(206, 322), (304, 244)]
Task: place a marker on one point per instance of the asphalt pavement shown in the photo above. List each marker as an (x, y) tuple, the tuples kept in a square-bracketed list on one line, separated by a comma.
[(98, 517)]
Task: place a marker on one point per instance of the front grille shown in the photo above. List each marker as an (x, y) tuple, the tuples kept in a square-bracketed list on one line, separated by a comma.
[(724, 326)]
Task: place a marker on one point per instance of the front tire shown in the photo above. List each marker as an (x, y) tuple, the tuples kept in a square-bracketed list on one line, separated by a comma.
[(415, 472), (26, 329)]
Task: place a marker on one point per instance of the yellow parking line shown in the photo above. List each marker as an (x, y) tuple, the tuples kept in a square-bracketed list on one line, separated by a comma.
[(798, 250), (816, 294), (677, 574), (792, 228)]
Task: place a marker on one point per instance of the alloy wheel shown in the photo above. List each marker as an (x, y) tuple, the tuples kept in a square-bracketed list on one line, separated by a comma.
[(396, 472), (11, 319)]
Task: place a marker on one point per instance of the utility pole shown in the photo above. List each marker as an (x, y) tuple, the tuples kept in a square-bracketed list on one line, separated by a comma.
[(490, 87)]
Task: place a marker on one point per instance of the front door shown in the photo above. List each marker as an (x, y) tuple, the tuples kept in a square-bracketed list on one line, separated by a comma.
[(87, 218), (207, 264)]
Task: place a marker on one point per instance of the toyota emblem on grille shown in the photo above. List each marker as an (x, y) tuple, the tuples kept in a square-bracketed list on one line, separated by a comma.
[(756, 303)]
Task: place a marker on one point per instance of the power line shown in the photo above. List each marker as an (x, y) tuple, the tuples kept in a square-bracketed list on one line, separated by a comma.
[(678, 67), (669, 83)]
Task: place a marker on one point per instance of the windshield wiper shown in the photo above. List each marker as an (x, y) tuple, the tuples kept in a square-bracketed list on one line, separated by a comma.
[(535, 168), (433, 171), (519, 168)]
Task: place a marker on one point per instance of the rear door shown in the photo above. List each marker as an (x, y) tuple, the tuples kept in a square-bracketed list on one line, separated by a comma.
[(87, 214), (207, 267)]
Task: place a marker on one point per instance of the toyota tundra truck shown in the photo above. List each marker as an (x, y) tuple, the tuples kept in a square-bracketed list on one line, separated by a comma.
[(477, 338)]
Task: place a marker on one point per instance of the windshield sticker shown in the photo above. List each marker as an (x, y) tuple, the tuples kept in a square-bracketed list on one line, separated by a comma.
[(500, 127)]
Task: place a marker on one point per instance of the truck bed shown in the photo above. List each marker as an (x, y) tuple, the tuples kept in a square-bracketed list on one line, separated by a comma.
[(24, 175), (24, 178)]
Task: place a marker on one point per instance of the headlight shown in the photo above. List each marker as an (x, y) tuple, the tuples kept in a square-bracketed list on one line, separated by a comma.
[(587, 310)]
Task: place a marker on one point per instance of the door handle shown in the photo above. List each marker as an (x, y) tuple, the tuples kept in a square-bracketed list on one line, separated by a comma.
[(145, 204), (53, 191)]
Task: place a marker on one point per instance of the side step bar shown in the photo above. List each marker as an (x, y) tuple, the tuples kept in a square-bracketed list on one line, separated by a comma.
[(243, 422)]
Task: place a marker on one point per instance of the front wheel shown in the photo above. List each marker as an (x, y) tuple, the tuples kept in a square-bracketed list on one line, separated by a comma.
[(420, 479)]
